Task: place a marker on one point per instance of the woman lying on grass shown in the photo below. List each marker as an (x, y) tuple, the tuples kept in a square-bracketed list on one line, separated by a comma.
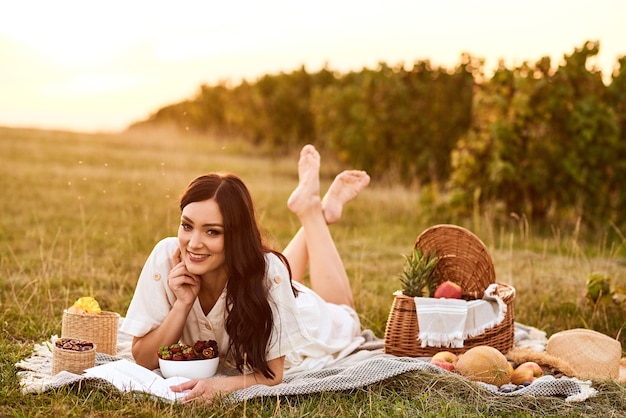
[(219, 281)]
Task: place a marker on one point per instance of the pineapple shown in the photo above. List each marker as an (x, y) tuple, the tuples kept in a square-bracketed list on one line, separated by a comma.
[(418, 278)]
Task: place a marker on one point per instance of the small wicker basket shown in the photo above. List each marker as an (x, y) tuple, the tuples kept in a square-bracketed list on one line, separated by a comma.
[(463, 259), (72, 361), (100, 329)]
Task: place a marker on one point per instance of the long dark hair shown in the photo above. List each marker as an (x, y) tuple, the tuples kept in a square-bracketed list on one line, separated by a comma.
[(249, 319)]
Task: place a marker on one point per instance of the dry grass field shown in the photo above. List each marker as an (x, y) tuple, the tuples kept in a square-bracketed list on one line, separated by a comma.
[(80, 213)]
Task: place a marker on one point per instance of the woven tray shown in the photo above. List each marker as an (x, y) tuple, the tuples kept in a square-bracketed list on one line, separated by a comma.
[(463, 259), (72, 361), (100, 329)]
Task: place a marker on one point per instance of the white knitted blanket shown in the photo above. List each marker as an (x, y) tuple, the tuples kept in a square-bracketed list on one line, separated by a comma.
[(366, 365)]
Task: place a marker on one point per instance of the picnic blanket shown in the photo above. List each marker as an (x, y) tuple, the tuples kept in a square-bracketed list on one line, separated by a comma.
[(366, 365)]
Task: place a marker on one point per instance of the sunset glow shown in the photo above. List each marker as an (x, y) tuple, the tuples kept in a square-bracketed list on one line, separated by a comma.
[(72, 65)]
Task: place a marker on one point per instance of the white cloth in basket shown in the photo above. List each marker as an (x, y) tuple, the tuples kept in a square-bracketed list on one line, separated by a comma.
[(448, 322)]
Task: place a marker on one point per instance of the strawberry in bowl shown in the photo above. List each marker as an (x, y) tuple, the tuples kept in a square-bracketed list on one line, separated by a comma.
[(193, 362)]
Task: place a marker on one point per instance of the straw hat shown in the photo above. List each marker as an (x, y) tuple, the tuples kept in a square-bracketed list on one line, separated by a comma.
[(580, 353), (591, 355)]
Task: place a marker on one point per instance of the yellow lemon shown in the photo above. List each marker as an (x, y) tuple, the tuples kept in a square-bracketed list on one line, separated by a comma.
[(88, 304)]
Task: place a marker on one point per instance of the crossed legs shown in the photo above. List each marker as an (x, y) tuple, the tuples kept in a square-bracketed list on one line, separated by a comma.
[(313, 245)]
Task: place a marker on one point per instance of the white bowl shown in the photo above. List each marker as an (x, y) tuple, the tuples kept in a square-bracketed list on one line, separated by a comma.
[(191, 369)]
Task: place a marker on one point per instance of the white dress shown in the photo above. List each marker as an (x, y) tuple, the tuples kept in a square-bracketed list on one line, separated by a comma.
[(308, 331)]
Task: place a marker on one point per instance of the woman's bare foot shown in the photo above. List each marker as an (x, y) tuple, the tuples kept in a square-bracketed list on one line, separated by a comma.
[(306, 194), (346, 186)]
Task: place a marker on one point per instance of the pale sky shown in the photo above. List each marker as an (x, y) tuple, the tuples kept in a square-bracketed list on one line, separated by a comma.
[(99, 66)]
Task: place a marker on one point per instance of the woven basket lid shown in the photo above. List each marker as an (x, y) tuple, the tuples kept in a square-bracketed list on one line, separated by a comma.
[(463, 258)]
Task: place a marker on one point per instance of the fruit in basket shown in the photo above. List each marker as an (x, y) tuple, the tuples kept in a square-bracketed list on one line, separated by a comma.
[(418, 276), (201, 350), (73, 344), (484, 364), (449, 290), (526, 373), (85, 305), (445, 359)]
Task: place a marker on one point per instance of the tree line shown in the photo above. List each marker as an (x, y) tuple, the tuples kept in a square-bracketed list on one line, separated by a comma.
[(545, 141)]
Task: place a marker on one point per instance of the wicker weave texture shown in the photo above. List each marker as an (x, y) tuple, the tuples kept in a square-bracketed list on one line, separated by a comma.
[(100, 329), (463, 259), (72, 361), (402, 329)]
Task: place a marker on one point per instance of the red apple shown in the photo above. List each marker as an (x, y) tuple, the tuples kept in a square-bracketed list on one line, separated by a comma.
[(445, 359), (449, 290), (526, 372), (448, 356)]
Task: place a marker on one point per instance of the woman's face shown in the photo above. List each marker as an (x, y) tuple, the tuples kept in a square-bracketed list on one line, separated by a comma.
[(201, 238)]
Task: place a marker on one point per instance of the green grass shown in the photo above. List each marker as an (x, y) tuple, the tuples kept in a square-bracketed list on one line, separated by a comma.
[(80, 213)]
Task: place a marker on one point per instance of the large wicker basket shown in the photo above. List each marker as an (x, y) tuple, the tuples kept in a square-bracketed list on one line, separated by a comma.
[(463, 259), (100, 329)]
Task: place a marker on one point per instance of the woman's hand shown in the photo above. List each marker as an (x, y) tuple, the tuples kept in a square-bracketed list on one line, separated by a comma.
[(200, 389), (184, 284), (207, 389)]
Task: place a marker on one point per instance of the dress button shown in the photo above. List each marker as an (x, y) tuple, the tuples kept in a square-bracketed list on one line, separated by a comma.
[(208, 326), (277, 279), (156, 277)]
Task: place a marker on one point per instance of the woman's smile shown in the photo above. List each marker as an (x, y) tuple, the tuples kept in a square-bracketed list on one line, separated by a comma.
[(195, 257)]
